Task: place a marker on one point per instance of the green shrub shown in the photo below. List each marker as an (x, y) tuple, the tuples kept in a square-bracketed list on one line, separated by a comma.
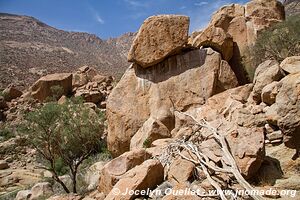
[(57, 91), (146, 143), (6, 134), (276, 43), (64, 135)]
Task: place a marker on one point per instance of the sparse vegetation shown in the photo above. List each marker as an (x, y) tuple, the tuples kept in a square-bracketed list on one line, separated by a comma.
[(57, 91), (147, 143), (3, 94), (5, 133), (277, 42), (64, 136)]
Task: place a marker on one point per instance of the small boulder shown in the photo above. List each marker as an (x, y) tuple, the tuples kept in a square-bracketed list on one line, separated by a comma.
[(89, 96), (291, 65), (23, 195), (3, 165), (159, 37), (41, 190), (275, 136), (266, 73), (145, 176), (149, 132), (83, 76), (93, 175), (116, 168), (11, 92), (62, 100), (181, 171), (269, 92)]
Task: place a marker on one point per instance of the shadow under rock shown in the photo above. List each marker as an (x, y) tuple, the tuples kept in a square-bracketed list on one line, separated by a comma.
[(268, 173), (172, 66)]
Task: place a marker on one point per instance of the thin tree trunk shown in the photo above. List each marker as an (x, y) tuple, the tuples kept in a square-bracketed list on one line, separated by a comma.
[(74, 181), (57, 179)]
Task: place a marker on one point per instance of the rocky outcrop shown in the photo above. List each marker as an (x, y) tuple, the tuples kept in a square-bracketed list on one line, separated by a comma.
[(262, 13), (243, 24), (42, 88), (91, 86), (86, 83), (159, 37), (188, 79)]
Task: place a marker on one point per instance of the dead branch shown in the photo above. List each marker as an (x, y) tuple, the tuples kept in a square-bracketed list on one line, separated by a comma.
[(202, 161)]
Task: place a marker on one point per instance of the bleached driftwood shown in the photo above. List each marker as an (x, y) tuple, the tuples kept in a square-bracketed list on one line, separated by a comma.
[(202, 162)]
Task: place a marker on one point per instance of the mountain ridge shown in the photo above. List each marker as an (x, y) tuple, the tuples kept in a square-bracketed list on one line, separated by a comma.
[(30, 48)]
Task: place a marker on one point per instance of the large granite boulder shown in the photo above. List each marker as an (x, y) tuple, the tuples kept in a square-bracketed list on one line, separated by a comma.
[(42, 88), (159, 37), (185, 80)]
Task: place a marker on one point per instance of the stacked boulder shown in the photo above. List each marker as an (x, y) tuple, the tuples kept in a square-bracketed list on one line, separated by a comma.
[(165, 72), (234, 28)]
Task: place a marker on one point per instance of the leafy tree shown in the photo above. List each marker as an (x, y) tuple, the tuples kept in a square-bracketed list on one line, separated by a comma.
[(64, 134)]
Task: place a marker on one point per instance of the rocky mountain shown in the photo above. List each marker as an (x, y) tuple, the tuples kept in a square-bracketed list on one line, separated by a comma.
[(30, 48), (292, 7)]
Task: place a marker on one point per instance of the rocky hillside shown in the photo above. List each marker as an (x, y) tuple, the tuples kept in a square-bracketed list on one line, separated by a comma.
[(30, 48), (292, 7)]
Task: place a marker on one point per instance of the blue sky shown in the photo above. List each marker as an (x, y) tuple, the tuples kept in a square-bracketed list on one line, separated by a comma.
[(111, 18)]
